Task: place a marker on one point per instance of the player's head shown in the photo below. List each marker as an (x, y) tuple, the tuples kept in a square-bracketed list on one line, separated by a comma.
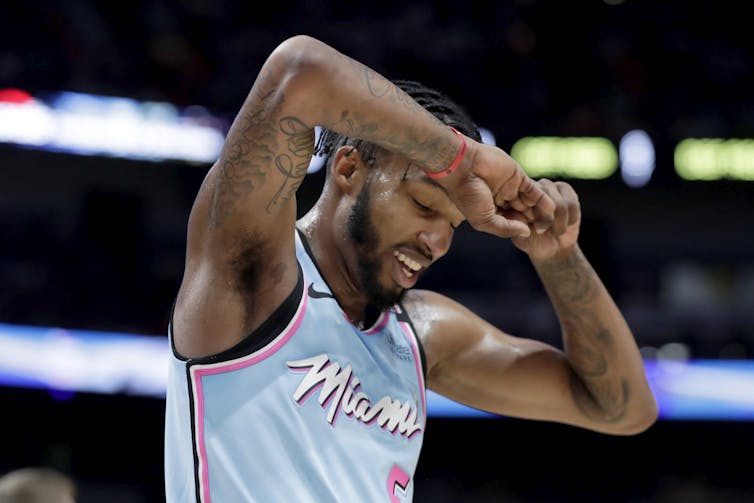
[(37, 485), (396, 220)]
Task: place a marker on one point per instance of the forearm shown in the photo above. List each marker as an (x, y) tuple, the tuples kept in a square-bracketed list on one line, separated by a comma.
[(305, 83), (358, 102), (608, 380)]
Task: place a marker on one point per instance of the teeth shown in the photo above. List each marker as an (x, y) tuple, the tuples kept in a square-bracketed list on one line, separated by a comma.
[(410, 263)]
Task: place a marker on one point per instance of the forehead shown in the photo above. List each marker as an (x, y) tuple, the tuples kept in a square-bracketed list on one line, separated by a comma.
[(398, 176), (416, 177)]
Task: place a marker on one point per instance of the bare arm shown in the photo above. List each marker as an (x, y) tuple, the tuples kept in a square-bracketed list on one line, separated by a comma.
[(607, 382), (240, 261), (596, 382)]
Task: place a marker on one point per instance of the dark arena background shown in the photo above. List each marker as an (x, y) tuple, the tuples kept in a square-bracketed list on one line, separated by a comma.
[(112, 112)]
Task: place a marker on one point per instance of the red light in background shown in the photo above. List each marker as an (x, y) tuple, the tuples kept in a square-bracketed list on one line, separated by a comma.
[(15, 96)]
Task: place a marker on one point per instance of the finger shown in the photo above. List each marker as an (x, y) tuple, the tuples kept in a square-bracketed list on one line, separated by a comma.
[(572, 201), (560, 223), (521, 191), (518, 207), (521, 207), (532, 194), (476, 202), (497, 224), (514, 215), (510, 188)]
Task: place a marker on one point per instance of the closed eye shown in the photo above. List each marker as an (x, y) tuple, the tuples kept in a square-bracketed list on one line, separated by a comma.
[(420, 205)]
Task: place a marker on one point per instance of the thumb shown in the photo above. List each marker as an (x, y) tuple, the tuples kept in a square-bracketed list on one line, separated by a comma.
[(496, 224)]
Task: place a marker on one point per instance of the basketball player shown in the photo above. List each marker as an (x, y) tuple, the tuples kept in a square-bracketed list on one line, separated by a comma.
[(301, 352)]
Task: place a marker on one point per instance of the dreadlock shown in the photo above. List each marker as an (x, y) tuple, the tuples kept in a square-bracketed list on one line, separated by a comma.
[(437, 103)]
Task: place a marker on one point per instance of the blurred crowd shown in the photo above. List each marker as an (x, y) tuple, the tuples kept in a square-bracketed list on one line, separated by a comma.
[(524, 67), (98, 260)]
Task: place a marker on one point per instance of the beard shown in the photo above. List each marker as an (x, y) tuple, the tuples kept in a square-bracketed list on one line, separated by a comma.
[(363, 234)]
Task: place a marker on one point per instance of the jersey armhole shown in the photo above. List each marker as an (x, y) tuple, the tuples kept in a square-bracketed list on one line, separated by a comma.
[(402, 315), (259, 337)]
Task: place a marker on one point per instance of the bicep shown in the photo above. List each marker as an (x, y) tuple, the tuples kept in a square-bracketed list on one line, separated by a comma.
[(252, 186), (476, 364), (244, 215), (240, 262)]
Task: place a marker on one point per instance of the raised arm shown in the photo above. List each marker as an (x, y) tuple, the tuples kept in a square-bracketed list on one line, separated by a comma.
[(597, 381), (240, 257)]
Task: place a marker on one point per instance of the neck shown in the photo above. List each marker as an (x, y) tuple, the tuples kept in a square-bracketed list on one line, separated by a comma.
[(337, 266)]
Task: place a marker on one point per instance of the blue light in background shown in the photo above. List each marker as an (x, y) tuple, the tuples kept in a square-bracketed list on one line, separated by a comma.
[(69, 361)]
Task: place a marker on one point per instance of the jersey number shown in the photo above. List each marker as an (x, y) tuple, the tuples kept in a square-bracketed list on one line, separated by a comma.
[(397, 478)]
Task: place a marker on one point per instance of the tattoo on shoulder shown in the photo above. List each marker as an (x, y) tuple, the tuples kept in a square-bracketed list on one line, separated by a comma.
[(419, 311)]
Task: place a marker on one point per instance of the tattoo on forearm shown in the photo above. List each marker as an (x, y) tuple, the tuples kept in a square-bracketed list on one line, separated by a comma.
[(412, 143), (599, 393)]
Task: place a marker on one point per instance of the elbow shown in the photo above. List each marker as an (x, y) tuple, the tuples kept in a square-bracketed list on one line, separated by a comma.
[(299, 55), (302, 69), (640, 419)]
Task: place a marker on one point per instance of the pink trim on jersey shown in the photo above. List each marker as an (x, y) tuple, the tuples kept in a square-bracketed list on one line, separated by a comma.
[(418, 363), (380, 324), (198, 373)]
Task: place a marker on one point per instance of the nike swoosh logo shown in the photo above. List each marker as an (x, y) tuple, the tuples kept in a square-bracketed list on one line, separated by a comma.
[(315, 294)]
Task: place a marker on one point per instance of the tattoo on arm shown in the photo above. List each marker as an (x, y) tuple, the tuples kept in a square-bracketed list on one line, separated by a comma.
[(247, 152), (412, 143), (293, 163), (252, 150), (613, 397), (597, 391), (421, 315)]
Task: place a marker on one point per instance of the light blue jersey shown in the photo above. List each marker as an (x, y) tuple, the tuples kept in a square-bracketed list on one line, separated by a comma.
[(307, 408)]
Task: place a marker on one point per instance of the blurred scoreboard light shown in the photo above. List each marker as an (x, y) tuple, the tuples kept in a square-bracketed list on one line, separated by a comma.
[(589, 158), (715, 159), (637, 158)]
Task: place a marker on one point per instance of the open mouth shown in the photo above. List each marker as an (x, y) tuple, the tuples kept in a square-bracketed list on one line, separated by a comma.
[(408, 269)]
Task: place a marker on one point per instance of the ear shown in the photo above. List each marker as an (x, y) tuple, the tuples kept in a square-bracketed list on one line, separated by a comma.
[(349, 171)]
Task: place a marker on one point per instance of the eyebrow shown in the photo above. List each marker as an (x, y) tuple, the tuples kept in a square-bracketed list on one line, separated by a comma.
[(425, 179)]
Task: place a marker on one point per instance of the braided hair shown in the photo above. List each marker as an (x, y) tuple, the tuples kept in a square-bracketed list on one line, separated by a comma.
[(435, 102)]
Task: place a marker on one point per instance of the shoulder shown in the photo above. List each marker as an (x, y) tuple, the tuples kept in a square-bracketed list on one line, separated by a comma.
[(429, 309), (443, 325)]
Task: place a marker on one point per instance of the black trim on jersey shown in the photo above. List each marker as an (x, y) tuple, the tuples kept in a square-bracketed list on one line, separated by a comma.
[(257, 339), (402, 315), (192, 417), (371, 314), (264, 333), (309, 252), (170, 332)]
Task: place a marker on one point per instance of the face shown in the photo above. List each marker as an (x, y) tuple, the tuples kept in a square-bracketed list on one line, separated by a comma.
[(400, 223)]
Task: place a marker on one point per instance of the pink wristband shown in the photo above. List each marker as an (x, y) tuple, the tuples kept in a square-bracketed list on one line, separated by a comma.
[(456, 162)]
